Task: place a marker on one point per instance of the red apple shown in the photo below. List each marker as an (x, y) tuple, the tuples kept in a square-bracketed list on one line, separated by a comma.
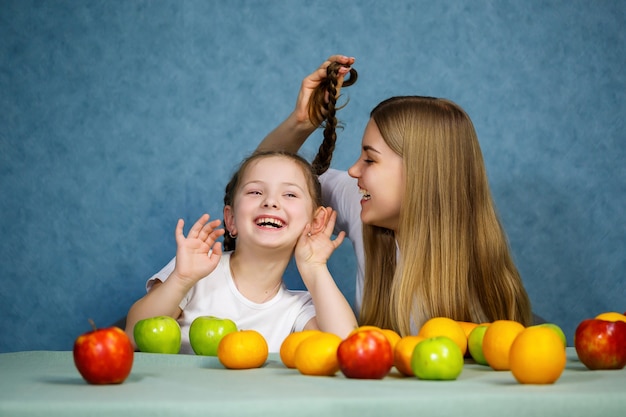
[(103, 356), (601, 344), (366, 354)]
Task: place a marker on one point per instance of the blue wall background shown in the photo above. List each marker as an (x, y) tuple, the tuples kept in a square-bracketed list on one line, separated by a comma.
[(119, 117)]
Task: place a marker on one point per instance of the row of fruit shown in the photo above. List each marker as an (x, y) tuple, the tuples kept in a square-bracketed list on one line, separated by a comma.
[(534, 355)]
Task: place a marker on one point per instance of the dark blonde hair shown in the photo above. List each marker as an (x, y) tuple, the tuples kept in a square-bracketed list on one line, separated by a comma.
[(233, 185), (455, 260)]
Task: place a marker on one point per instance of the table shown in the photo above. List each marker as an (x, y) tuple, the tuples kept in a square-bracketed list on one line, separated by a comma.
[(39, 383)]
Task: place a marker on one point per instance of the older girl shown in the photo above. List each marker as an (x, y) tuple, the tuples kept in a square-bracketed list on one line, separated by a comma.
[(418, 209)]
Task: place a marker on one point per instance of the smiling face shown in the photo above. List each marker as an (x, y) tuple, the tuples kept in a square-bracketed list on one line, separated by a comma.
[(272, 204), (380, 174)]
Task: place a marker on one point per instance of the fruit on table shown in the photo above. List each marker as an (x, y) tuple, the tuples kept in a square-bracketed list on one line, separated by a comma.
[(537, 356), (288, 347), (206, 332), (475, 344), (402, 353), (612, 316), (365, 354), (437, 358), (160, 334), (444, 326), (557, 330), (392, 336), (103, 356), (317, 355), (244, 349), (601, 344), (497, 342)]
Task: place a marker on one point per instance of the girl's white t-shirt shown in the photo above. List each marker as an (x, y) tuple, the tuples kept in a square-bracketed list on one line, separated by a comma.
[(216, 295)]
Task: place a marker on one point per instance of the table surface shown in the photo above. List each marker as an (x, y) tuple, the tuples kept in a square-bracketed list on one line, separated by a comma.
[(47, 383)]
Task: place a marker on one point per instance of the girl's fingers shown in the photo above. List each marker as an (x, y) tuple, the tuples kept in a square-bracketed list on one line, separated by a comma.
[(208, 229), (178, 233), (339, 239), (217, 249), (198, 225)]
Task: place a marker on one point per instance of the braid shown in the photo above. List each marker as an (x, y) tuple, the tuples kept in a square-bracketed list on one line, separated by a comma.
[(324, 112)]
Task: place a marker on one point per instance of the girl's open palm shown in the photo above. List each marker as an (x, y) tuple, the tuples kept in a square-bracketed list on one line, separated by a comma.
[(314, 249), (198, 254)]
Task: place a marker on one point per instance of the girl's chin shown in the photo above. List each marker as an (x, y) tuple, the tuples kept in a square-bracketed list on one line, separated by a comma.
[(368, 219)]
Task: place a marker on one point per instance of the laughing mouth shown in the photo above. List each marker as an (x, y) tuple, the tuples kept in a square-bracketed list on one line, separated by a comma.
[(364, 194), (270, 222)]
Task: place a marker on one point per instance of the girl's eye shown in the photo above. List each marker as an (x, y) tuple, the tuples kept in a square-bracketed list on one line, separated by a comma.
[(254, 192), (368, 161), (291, 195)]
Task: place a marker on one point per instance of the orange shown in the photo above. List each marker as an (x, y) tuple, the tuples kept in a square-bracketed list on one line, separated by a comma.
[(467, 327), (362, 328), (444, 326), (403, 352), (243, 349), (537, 356), (611, 316), (289, 345), (317, 355), (392, 336), (497, 342)]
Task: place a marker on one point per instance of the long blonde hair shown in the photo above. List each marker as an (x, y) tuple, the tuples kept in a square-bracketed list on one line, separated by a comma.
[(455, 260)]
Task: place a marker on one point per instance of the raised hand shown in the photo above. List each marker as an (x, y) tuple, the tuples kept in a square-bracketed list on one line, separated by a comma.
[(314, 79), (314, 248), (198, 254)]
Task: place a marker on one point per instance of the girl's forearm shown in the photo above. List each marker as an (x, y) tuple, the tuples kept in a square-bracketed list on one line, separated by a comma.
[(162, 300), (333, 312)]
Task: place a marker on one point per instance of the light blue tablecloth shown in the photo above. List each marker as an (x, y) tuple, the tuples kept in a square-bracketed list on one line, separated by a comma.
[(47, 384)]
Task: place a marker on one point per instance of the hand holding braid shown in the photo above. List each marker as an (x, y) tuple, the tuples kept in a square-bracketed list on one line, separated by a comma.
[(322, 111)]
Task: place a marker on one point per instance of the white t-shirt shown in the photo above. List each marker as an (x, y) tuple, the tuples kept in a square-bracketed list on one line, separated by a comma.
[(341, 192), (216, 295)]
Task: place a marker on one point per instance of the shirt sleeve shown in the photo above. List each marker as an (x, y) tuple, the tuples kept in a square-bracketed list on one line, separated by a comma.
[(307, 312)]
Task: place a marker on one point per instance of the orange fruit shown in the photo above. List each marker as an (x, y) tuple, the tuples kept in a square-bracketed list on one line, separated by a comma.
[(403, 352), (362, 328), (243, 349), (317, 354), (537, 356), (392, 336), (497, 342), (467, 327), (288, 347), (444, 326), (611, 316)]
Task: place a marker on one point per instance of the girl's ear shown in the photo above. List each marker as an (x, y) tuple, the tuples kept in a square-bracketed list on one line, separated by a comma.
[(320, 219), (229, 220)]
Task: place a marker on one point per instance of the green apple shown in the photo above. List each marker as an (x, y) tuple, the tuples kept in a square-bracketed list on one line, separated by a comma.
[(475, 344), (160, 334), (557, 329), (206, 332), (437, 358)]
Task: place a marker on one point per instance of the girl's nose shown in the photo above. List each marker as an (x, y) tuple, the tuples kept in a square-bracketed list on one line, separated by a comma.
[(270, 202)]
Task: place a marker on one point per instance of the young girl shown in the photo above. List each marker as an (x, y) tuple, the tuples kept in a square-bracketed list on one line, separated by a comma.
[(272, 211), (418, 209)]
